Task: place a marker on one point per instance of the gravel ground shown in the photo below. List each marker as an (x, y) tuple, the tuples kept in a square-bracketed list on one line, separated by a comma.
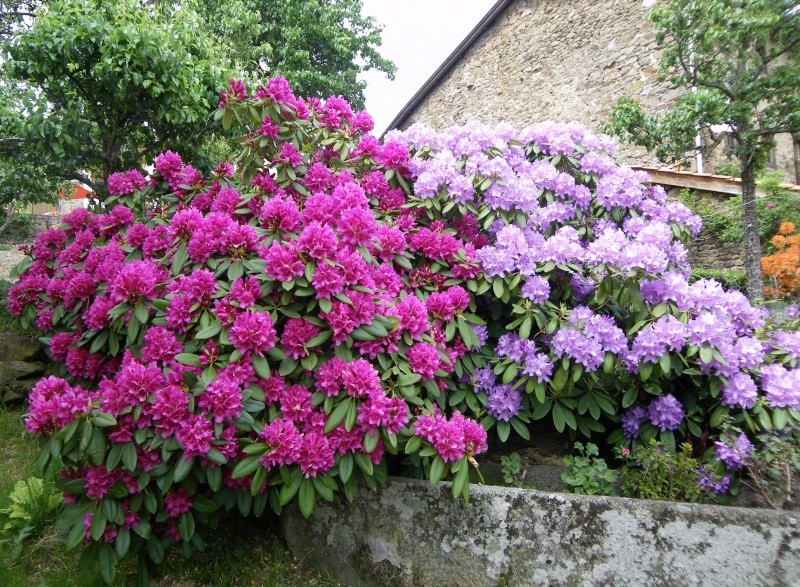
[(7, 261)]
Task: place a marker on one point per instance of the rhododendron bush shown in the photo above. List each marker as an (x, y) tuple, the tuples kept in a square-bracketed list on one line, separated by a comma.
[(327, 306)]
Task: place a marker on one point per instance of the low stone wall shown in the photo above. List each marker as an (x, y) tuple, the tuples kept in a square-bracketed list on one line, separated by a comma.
[(706, 251), (411, 533), (22, 364)]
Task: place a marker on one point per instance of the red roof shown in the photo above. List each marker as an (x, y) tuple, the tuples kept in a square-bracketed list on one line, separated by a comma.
[(78, 193)]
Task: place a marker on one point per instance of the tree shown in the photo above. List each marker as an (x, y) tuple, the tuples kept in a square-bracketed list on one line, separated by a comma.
[(100, 86), (14, 14), (24, 177), (319, 46), (739, 61)]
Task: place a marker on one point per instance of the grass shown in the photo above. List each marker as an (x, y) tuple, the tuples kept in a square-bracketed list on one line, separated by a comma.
[(240, 552), (43, 561)]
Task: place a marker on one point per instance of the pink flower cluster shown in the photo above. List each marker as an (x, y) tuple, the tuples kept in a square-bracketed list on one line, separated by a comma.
[(454, 438)]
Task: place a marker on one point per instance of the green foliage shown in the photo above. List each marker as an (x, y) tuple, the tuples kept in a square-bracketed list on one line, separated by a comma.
[(587, 473), (774, 469), (511, 467), (652, 472), (730, 278), (7, 322), (742, 63), (92, 87), (34, 505), (319, 46), (725, 221)]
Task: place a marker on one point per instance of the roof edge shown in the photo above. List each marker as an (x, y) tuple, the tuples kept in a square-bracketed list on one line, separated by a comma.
[(485, 23)]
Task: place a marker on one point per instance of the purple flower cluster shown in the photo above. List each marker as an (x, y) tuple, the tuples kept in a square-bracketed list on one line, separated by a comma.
[(666, 412), (733, 454), (523, 352), (587, 337)]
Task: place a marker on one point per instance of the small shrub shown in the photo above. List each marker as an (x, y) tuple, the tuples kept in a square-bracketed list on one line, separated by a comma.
[(35, 502), (511, 467), (774, 469), (587, 473), (651, 472)]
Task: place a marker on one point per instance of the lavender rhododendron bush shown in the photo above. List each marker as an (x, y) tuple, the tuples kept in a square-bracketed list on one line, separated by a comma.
[(326, 305)]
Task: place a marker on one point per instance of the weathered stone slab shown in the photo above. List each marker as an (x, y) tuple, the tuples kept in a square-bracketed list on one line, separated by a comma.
[(15, 347), (13, 370), (411, 533)]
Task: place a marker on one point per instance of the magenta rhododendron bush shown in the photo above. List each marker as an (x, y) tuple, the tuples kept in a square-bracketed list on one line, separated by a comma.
[(327, 307)]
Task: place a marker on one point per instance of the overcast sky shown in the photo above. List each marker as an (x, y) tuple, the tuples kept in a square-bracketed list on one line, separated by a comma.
[(418, 35)]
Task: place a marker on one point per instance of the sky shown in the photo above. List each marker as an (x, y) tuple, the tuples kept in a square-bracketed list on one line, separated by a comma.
[(418, 35)]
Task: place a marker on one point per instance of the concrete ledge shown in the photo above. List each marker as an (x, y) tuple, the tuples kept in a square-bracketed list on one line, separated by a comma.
[(411, 533)]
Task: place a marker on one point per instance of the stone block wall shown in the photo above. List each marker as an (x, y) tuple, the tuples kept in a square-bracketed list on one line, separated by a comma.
[(553, 60), (706, 251), (411, 533)]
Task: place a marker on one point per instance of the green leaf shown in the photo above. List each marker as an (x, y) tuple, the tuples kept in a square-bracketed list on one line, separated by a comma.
[(706, 354), (364, 463), (461, 479), (437, 470), (503, 430), (108, 563), (141, 312), (413, 445), (338, 414), (186, 526), (103, 420), (407, 379), (246, 466), (209, 331), (182, 469), (780, 418), (559, 421), (370, 442), (319, 339), (559, 380), (520, 428), (629, 398), (307, 497), (345, 467), (498, 287), (129, 456), (123, 542), (155, 550), (188, 359), (261, 366)]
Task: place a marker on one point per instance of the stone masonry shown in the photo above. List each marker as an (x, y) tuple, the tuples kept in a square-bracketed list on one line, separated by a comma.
[(553, 60)]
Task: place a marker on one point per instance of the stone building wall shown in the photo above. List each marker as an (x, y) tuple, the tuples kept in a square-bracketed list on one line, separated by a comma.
[(559, 60), (553, 60)]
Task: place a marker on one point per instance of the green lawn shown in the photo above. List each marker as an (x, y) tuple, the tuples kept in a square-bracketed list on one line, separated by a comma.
[(238, 553)]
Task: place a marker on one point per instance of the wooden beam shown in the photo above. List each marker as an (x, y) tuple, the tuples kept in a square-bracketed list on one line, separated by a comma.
[(707, 182)]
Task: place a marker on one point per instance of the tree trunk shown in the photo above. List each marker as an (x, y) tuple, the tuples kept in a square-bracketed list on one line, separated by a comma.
[(751, 242), (12, 208)]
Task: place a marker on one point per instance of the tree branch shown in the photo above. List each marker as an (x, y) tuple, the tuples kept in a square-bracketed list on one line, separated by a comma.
[(697, 80), (83, 179)]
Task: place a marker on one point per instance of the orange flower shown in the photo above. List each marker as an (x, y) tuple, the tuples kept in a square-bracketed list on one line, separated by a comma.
[(782, 269)]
